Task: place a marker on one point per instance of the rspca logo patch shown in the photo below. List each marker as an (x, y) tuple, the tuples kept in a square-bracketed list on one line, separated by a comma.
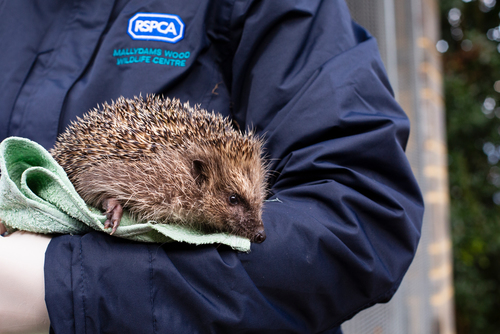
[(158, 27)]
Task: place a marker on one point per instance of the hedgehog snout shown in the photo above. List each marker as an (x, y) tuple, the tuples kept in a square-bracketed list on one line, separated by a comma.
[(257, 232), (259, 236)]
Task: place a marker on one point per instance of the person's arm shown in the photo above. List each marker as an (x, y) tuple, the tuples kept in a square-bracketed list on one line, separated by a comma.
[(344, 220), (350, 211), (22, 303)]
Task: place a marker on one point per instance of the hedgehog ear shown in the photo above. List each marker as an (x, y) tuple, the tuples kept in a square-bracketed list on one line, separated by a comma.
[(199, 171)]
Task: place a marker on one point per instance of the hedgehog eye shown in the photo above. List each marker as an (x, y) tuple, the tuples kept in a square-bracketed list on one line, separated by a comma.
[(233, 199)]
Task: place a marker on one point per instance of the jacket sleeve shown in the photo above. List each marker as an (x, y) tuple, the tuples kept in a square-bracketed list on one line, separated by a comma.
[(342, 221), (346, 218)]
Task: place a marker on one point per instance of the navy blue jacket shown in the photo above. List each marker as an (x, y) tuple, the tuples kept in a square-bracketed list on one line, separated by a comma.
[(348, 219)]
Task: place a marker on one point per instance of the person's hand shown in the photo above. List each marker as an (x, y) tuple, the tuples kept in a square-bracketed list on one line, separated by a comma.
[(22, 292)]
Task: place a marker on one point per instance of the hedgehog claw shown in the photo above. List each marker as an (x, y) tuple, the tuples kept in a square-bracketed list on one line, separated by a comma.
[(114, 213)]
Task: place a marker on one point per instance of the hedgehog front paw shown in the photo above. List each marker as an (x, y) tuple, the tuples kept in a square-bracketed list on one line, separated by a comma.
[(114, 212)]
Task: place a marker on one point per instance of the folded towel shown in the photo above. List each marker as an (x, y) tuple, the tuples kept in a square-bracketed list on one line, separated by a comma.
[(37, 196)]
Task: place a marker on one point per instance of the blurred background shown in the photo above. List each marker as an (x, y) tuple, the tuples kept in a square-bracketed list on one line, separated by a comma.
[(443, 60)]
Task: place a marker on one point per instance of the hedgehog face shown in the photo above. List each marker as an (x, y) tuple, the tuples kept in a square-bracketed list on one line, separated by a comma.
[(233, 212), (232, 198), (245, 217)]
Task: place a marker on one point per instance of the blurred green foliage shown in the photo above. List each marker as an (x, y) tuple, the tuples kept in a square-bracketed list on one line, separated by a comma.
[(471, 68)]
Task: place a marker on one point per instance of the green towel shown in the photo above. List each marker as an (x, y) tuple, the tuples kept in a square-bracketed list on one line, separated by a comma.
[(37, 196)]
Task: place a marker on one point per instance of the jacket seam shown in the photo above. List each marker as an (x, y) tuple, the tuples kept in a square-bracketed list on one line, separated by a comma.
[(151, 291), (82, 289)]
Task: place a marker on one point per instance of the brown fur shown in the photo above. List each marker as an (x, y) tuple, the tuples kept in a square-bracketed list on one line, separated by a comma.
[(167, 162)]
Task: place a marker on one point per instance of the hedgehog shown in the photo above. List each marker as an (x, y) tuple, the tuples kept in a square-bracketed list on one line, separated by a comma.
[(166, 162)]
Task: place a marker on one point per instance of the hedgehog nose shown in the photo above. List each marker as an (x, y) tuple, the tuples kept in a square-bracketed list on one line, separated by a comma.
[(259, 237)]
